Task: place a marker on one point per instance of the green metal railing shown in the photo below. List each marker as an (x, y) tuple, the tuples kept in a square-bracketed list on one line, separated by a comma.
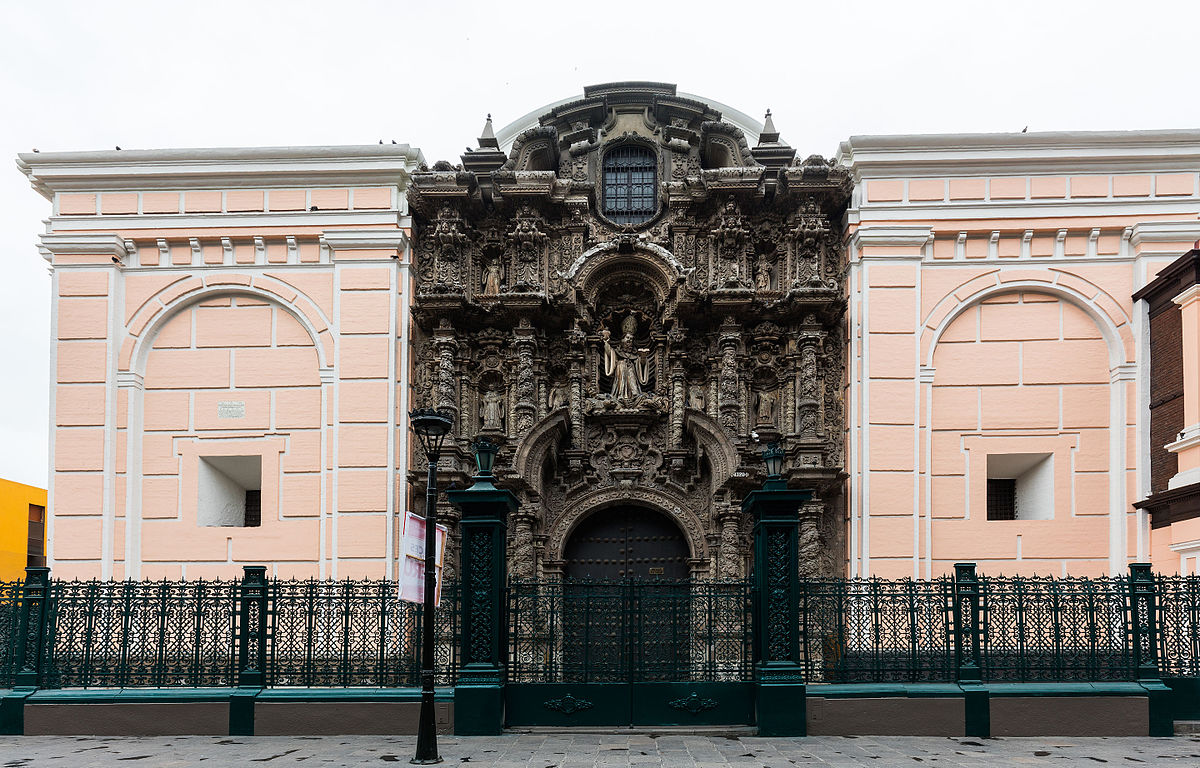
[(83, 634), (991, 629), (117, 634), (354, 633)]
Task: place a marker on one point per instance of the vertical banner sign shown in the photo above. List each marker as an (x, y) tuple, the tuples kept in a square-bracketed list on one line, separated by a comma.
[(412, 568)]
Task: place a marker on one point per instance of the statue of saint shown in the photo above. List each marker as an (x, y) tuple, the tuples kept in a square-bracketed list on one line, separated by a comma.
[(696, 397), (762, 275), (491, 278), (557, 398), (766, 406), (629, 368), (491, 413)]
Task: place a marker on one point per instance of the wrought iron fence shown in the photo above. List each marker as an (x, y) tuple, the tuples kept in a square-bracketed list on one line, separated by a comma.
[(620, 631), (1058, 629), (876, 630), (1028, 629), (10, 592), (357, 633), (354, 633), (117, 634), (1179, 624)]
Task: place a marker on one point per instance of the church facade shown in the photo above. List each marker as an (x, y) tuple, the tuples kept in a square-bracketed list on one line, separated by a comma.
[(634, 292), (634, 351)]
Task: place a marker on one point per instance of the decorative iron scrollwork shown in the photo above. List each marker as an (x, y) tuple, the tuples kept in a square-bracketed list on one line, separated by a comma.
[(692, 703), (568, 704)]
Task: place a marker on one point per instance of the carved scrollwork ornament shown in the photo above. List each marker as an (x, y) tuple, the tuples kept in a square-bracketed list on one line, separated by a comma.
[(634, 363)]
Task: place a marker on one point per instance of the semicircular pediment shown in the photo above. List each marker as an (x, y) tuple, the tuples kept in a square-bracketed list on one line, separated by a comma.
[(622, 256)]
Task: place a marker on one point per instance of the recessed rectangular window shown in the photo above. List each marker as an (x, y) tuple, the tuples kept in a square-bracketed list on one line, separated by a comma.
[(36, 548), (1001, 498), (1020, 486), (230, 491)]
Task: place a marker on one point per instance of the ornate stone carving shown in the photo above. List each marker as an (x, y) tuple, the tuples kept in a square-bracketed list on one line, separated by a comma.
[(632, 364)]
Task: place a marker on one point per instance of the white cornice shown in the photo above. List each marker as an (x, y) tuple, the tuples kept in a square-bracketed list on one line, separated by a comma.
[(130, 379), (1164, 232), (52, 172), (1124, 372), (961, 154), (97, 244), (1186, 546), (352, 240), (200, 221), (1188, 438), (893, 236), (1189, 294), (1025, 209)]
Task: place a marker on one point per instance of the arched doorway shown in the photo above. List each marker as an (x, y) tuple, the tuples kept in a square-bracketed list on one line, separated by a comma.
[(627, 543), (627, 597)]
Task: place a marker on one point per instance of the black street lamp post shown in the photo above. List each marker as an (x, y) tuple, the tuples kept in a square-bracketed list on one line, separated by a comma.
[(431, 427)]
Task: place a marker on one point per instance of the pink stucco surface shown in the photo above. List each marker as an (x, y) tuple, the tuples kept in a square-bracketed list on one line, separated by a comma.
[(997, 319), (216, 338)]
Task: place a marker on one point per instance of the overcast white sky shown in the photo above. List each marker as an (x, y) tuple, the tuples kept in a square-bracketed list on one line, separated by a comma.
[(89, 75)]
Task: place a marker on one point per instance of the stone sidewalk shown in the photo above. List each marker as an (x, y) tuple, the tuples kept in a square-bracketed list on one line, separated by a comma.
[(573, 750)]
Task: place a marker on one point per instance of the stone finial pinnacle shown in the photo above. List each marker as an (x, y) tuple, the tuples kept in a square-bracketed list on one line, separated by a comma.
[(488, 137), (769, 136)]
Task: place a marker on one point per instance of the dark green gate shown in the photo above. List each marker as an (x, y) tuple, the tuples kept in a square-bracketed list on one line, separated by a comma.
[(619, 653)]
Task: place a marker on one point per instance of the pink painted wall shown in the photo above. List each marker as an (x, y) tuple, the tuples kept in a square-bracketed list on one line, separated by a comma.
[(990, 313), (1021, 373), (279, 337)]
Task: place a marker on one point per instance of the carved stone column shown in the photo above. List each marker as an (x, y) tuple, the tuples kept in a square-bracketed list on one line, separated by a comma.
[(809, 549), (728, 406), (810, 387), (678, 399), (521, 562), (446, 389), (729, 565), (576, 376), (525, 408)]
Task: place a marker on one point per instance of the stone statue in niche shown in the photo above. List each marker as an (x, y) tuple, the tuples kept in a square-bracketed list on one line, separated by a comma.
[(696, 397), (628, 367), (766, 406), (491, 411), (762, 274), (558, 397), (492, 275)]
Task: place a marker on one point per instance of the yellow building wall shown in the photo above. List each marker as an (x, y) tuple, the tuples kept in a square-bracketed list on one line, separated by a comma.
[(15, 499)]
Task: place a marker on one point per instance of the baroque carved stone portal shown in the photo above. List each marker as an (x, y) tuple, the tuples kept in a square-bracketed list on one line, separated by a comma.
[(622, 322)]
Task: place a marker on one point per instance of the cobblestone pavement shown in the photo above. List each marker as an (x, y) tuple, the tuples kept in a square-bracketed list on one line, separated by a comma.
[(585, 751)]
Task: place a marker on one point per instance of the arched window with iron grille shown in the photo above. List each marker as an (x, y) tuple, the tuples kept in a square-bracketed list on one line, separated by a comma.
[(630, 179)]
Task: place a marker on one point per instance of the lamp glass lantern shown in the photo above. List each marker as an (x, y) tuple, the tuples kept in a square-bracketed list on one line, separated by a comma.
[(431, 427), (485, 456), (773, 457)]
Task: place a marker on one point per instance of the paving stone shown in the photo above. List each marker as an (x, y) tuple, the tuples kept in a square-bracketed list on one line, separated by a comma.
[(592, 750)]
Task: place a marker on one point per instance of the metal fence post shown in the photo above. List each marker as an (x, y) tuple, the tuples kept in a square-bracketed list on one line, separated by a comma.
[(780, 702), (967, 596), (1143, 620), (32, 628), (252, 627), (967, 620), (483, 635)]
